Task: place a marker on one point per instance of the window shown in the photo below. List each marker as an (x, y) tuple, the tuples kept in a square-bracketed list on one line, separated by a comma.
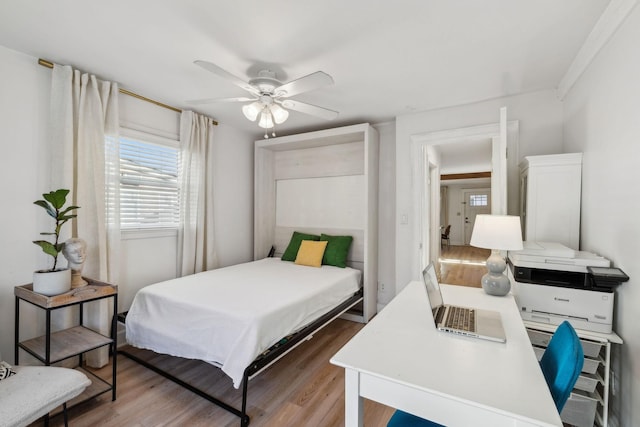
[(149, 195), (478, 200)]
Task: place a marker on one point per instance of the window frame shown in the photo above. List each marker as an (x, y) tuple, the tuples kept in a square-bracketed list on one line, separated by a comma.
[(477, 198), (147, 136)]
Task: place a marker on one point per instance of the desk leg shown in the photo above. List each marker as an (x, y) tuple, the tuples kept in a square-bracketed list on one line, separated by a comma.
[(353, 403)]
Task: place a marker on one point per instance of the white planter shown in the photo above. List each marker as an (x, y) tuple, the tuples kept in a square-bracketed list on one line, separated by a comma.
[(52, 282)]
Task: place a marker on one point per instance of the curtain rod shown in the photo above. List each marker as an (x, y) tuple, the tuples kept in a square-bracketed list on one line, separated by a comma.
[(49, 64)]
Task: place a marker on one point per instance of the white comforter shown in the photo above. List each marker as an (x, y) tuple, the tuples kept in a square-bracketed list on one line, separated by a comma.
[(230, 315)]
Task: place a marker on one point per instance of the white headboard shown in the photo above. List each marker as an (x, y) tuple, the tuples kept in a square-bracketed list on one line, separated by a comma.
[(331, 205)]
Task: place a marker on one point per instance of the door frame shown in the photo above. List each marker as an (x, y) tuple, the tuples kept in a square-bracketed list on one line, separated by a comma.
[(426, 162)]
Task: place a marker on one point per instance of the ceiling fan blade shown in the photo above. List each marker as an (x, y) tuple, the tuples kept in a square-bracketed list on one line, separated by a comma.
[(209, 66), (304, 84), (215, 100), (309, 109)]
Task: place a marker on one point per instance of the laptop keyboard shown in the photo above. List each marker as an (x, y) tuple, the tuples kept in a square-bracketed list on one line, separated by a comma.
[(461, 318)]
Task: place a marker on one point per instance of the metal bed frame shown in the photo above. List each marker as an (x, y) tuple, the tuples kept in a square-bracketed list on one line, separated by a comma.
[(262, 362)]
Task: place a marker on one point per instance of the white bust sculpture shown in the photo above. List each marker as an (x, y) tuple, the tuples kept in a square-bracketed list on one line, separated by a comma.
[(75, 251)]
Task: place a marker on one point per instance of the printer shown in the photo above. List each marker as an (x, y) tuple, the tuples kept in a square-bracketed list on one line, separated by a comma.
[(553, 283)]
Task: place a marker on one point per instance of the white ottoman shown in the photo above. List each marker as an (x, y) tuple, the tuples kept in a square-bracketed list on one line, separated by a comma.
[(36, 390)]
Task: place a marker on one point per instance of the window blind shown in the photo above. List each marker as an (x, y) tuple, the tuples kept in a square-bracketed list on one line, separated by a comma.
[(149, 195)]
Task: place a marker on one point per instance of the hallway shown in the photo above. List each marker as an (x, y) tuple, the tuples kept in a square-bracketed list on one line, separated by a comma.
[(462, 265)]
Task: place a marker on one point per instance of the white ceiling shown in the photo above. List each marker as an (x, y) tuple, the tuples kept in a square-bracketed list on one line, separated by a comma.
[(387, 58)]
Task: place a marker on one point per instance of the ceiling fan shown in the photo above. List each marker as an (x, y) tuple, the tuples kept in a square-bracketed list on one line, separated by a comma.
[(269, 98)]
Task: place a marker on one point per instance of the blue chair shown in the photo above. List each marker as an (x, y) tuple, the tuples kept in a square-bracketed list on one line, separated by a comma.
[(561, 365), (403, 419)]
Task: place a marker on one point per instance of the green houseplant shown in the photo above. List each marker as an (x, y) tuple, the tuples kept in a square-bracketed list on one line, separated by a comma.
[(55, 280)]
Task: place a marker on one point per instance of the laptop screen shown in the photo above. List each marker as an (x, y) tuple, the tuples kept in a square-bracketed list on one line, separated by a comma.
[(432, 286)]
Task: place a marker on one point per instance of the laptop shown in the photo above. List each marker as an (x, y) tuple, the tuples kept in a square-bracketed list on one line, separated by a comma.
[(470, 322)]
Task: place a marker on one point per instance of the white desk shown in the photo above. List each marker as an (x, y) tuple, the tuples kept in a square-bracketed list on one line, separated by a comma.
[(401, 360)]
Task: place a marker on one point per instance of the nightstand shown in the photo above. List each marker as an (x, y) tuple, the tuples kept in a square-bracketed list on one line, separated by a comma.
[(75, 341)]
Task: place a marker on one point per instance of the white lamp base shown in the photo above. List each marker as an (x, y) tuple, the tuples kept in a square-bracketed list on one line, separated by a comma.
[(495, 282)]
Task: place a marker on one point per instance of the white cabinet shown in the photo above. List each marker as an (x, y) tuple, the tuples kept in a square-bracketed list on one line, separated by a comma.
[(550, 198), (588, 404), (321, 182)]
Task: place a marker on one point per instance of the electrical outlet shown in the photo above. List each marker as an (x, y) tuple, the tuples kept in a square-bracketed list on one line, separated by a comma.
[(380, 287)]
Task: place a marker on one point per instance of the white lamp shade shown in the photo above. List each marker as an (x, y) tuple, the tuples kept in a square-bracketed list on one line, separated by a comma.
[(501, 232), (252, 110), (266, 120), (279, 113)]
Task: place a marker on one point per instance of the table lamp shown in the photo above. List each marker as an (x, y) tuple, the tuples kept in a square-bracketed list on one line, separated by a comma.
[(496, 232)]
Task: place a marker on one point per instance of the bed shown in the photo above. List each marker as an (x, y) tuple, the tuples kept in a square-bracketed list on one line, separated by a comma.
[(323, 182), (240, 318)]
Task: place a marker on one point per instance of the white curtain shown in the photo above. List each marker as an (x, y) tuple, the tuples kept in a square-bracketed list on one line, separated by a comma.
[(85, 159), (196, 245)]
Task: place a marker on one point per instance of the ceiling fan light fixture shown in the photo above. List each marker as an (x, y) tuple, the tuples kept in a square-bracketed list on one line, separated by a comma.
[(252, 110), (266, 119), (266, 104), (280, 115)]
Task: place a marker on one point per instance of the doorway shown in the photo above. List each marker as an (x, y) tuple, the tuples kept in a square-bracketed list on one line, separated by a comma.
[(459, 263), (425, 150), (476, 202)]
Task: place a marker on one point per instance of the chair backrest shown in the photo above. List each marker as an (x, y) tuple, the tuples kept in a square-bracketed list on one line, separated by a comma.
[(447, 230), (562, 363)]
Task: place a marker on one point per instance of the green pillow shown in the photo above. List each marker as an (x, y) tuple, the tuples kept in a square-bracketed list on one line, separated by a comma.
[(337, 250), (291, 252)]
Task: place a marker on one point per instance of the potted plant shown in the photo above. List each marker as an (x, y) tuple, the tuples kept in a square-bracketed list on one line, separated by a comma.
[(54, 280)]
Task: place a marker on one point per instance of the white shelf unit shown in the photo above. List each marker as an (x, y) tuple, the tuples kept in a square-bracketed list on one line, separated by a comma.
[(588, 404), (550, 196), (324, 170)]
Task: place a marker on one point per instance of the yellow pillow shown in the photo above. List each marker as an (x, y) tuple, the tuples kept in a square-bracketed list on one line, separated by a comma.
[(310, 253)]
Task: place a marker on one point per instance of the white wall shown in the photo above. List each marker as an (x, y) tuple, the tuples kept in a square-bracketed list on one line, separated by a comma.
[(466, 157), (386, 212), (24, 107), (540, 117), (602, 120), (233, 192)]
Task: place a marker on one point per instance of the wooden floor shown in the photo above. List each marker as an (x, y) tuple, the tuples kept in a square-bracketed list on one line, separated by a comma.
[(302, 389), (462, 265)]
